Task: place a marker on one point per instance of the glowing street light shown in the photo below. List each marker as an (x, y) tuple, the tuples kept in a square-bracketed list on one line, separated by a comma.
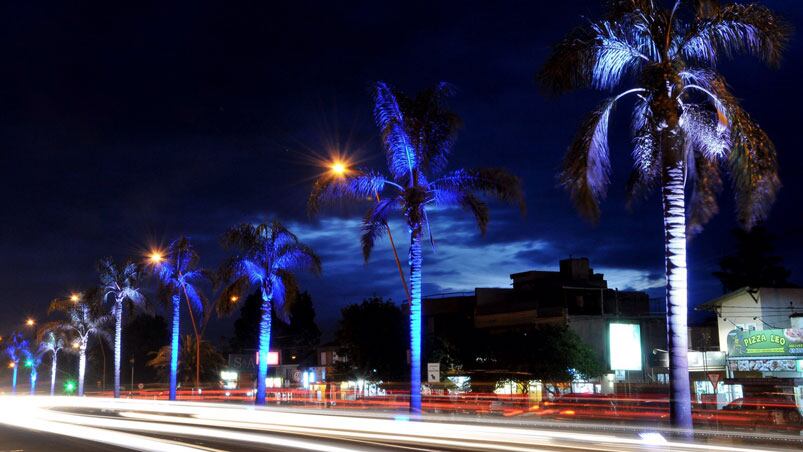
[(11, 365), (156, 257), (234, 298), (30, 322), (75, 298), (338, 168)]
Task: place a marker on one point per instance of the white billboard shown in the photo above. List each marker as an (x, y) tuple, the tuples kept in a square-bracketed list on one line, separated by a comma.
[(624, 341)]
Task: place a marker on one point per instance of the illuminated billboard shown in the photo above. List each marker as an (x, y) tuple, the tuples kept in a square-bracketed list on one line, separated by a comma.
[(624, 341)]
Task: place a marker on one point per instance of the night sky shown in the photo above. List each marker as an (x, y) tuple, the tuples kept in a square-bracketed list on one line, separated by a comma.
[(124, 126)]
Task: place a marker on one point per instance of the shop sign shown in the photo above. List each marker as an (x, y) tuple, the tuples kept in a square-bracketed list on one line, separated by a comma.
[(765, 365), (779, 342)]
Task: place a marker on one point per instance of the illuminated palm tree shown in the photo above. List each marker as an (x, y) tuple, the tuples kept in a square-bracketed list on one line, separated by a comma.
[(16, 349), (84, 318), (33, 358), (179, 276), (268, 256), (686, 125), (418, 134), (53, 342), (121, 284)]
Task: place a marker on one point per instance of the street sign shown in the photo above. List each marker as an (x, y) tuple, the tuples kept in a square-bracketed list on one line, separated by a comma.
[(433, 372), (714, 379)]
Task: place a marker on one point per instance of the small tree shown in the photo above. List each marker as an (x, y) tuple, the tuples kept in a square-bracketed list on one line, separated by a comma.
[(16, 350), (84, 318), (53, 342), (373, 338), (211, 359)]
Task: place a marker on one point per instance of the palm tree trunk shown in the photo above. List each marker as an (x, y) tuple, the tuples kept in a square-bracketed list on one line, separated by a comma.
[(53, 374), (118, 332), (174, 346), (81, 367), (673, 194), (33, 380), (415, 320), (264, 348), (14, 378)]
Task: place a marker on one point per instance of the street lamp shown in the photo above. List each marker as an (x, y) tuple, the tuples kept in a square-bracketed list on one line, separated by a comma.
[(30, 322), (156, 257), (75, 297)]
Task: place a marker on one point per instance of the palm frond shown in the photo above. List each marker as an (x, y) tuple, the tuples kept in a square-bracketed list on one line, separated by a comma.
[(753, 169), (495, 182), (285, 293), (328, 189), (391, 122), (586, 168), (750, 28), (707, 181), (374, 225)]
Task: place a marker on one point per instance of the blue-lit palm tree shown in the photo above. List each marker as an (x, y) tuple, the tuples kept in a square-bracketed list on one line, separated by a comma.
[(686, 125), (16, 350), (84, 318), (120, 284), (179, 277), (418, 134), (268, 256), (53, 342), (33, 358)]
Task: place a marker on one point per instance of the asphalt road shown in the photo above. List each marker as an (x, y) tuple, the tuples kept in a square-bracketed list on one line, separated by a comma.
[(90, 424)]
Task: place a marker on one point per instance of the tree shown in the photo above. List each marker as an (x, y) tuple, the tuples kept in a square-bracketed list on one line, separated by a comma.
[(179, 276), (686, 124), (246, 327), (33, 358), (53, 342), (754, 264), (84, 318), (16, 349), (418, 134), (187, 353), (373, 338), (301, 336), (268, 256), (146, 333), (121, 284), (548, 353)]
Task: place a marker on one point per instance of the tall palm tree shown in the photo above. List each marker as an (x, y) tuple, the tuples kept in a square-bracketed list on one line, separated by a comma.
[(33, 358), (179, 276), (84, 318), (16, 349), (121, 284), (686, 125), (267, 257), (418, 134), (52, 342)]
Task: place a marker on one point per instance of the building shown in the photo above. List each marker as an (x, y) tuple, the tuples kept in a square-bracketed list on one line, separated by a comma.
[(574, 296), (760, 331)]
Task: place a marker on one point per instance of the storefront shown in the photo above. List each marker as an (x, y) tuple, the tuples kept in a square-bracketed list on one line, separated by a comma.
[(767, 362)]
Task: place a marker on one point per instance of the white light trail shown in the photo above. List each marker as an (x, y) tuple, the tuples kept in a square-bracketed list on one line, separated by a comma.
[(127, 423)]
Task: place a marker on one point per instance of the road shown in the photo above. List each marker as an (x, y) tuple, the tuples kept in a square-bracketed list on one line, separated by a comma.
[(70, 423)]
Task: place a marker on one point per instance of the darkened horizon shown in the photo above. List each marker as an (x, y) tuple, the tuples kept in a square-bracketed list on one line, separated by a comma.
[(124, 128)]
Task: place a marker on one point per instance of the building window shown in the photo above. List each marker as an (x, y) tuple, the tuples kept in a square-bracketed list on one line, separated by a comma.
[(662, 378)]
